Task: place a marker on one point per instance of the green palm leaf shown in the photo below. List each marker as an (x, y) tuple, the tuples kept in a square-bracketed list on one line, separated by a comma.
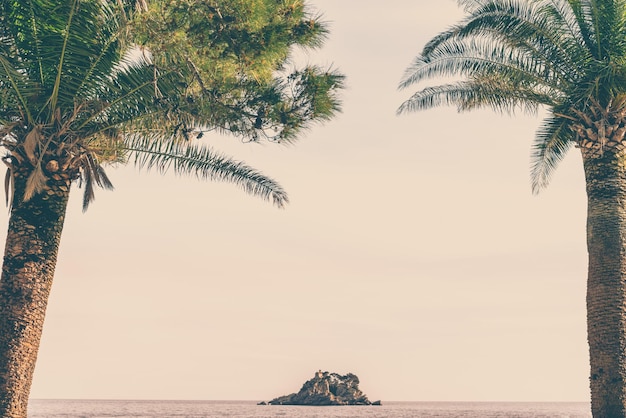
[(477, 93), (181, 157), (15, 91), (552, 142)]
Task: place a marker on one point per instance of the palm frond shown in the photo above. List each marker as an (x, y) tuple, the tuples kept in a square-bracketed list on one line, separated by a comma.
[(479, 92), (607, 19), (62, 54), (88, 192), (80, 49), (92, 172), (551, 144), (9, 186), (36, 42), (477, 56), (127, 96), (516, 33), (103, 65), (19, 86), (584, 20), (91, 51), (184, 158)]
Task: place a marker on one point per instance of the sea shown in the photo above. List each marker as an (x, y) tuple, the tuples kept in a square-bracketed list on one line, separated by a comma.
[(39, 408)]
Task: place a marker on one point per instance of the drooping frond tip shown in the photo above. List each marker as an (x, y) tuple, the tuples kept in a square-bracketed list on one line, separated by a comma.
[(92, 172), (280, 199), (551, 144)]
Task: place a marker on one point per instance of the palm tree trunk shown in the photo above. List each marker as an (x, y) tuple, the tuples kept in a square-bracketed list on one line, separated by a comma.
[(605, 174), (29, 262)]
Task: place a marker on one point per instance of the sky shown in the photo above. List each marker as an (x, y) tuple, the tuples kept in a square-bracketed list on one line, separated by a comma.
[(413, 254)]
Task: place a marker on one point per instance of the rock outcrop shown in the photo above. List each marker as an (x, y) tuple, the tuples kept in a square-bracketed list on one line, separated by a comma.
[(327, 389)]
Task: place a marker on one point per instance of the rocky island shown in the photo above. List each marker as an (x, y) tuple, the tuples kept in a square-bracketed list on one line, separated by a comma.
[(327, 389)]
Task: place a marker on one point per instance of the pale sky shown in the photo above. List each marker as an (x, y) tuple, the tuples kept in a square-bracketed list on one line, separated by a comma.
[(413, 254)]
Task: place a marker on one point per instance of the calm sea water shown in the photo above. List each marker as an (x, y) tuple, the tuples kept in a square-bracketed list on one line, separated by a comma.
[(246, 409)]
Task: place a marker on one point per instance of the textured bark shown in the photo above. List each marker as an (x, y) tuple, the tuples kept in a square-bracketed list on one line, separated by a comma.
[(606, 288), (29, 262)]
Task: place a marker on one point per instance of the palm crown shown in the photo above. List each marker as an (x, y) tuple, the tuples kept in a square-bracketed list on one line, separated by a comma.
[(567, 55)]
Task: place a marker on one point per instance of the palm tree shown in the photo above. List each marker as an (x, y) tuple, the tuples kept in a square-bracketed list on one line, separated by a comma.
[(569, 58), (74, 96)]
